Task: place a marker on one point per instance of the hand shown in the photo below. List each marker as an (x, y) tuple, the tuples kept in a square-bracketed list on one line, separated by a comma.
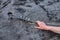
[(41, 25)]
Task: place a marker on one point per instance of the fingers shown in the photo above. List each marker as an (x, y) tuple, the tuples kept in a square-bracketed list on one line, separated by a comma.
[(37, 27), (39, 23)]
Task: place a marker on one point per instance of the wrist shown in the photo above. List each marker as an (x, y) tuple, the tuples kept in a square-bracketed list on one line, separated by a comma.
[(49, 28)]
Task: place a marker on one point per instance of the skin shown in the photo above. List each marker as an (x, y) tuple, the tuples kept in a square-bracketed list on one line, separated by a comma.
[(43, 26)]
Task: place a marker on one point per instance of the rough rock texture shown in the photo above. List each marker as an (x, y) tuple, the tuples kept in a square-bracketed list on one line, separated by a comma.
[(15, 29)]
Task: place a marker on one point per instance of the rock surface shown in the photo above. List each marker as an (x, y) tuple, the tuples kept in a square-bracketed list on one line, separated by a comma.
[(15, 29)]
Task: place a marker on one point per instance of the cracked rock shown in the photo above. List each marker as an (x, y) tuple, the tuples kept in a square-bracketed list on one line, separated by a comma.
[(11, 28)]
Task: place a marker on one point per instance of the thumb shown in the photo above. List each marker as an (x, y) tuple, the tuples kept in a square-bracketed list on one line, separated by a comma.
[(37, 27)]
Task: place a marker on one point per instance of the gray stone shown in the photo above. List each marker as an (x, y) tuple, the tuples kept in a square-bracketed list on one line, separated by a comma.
[(15, 29)]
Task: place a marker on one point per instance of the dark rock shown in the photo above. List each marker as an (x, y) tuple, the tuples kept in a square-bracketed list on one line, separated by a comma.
[(15, 29)]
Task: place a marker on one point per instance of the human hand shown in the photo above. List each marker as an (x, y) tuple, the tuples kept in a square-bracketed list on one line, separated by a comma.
[(41, 25)]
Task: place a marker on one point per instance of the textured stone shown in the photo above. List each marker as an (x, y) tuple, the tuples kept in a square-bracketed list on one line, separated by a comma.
[(15, 29)]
